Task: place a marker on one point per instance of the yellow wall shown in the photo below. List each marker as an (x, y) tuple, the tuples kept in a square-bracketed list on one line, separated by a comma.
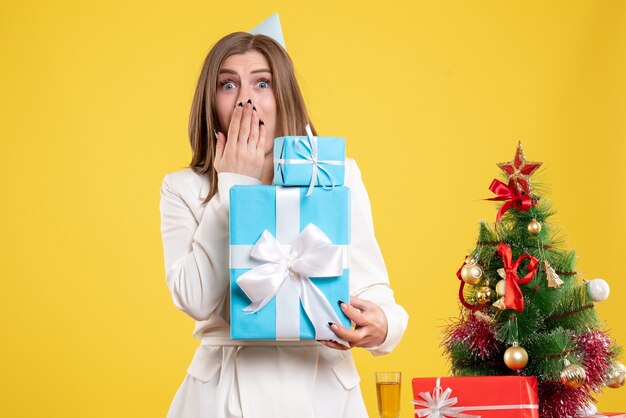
[(430, 95)]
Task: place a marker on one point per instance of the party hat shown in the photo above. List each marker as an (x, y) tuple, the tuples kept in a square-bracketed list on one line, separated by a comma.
[(270, 27)]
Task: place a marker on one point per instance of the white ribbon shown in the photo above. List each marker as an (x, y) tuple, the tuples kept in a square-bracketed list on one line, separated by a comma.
[(310, 157), (440, 405), (310, 255)]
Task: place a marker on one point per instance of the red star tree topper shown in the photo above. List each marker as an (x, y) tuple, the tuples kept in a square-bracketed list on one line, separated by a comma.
[(519, 170)]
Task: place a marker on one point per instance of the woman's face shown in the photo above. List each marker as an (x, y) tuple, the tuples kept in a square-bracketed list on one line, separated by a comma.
[(242, 77)]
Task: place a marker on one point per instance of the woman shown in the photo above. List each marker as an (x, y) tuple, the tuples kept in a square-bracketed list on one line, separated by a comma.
[(247, 94)]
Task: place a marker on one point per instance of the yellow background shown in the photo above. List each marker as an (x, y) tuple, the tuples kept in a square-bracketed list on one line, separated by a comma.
[(430, 95)]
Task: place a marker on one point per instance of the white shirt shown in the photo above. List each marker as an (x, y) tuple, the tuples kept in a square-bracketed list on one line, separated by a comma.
[(196, 255)]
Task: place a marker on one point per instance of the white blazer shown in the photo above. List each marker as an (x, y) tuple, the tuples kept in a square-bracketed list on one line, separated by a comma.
[(260, 379)]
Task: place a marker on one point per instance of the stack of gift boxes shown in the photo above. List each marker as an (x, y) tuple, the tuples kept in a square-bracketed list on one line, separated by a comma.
[(289, 244)]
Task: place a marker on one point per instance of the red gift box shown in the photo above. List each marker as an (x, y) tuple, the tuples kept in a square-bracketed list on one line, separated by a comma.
[(484, 396)]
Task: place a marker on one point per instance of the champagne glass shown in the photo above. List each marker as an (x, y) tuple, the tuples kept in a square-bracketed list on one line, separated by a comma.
[(388, 394)]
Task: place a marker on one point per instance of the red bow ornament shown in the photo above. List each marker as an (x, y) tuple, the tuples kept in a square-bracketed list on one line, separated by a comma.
[(513, 297), (511, 195)]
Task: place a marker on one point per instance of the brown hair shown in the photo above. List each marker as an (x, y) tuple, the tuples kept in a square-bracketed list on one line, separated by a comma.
[(291, 113)]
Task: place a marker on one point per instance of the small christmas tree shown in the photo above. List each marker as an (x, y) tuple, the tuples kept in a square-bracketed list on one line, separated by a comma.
[(525, 310)]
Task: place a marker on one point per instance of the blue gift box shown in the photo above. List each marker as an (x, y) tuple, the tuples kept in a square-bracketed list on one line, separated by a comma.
[(285, 214), (294, 158)]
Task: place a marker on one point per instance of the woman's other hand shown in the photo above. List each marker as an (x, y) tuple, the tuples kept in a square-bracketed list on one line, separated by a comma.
[(243, 151), (371, 325)]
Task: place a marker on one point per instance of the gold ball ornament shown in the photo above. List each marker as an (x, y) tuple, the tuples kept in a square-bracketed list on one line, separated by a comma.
[(515, 357), (616, 376), (573, 376), (471, 273), (534, 227), (501, 287), (484, 294)]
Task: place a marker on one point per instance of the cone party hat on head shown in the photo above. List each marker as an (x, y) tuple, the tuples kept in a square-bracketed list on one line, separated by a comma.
[(270, 27)]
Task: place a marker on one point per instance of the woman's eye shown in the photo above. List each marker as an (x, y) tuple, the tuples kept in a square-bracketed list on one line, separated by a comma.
[(227, 85), (263, 84)]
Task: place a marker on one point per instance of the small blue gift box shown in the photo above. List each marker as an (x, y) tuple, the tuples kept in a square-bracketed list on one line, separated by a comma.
[(288, 261), (309, 160)]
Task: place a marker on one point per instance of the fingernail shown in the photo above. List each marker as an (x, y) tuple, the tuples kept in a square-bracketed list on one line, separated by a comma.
[(215, 132), (330, 324), (261, 123), (240, 104), (340, 304), (254, 108), (249, 101)]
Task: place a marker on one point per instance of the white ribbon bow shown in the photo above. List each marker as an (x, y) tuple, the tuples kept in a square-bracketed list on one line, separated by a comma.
[(309, 156), (439, 405), (311, 255)]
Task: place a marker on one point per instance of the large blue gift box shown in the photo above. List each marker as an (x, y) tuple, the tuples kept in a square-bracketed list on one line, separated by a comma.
[(308, 160), (279, 239)]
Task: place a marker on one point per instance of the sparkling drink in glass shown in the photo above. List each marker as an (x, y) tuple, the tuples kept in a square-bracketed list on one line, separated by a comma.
[(388, 394)]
